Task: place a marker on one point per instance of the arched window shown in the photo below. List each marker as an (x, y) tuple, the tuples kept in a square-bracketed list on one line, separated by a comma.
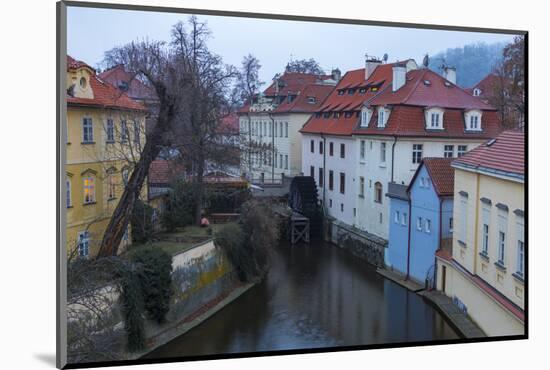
[(378, 192), (125, 176)]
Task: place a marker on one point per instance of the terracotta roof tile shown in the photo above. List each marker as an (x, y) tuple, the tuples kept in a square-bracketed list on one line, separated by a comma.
[(105, 95), (504, 155), (136, 89), (442, 174)]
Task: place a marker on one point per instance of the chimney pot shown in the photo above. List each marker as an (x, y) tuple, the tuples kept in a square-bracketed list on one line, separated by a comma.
[(450, 74)]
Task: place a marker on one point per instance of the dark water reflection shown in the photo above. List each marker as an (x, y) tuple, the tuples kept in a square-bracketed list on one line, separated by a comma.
[(314, 296)]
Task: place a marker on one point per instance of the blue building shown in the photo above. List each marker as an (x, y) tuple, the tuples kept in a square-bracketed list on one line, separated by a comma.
[(421, 219)]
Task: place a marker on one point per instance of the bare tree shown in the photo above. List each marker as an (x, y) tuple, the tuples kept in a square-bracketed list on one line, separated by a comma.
[(191, 84)]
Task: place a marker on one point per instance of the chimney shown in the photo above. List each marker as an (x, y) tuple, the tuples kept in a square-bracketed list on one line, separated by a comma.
[(399, 76), (336, 74), (450, 74), (370, 65)]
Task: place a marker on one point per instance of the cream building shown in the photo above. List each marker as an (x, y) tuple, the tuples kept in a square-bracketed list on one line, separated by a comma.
[(484, 272)]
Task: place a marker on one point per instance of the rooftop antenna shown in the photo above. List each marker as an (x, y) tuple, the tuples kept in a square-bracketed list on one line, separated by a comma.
[(426, 60), (385, 57)]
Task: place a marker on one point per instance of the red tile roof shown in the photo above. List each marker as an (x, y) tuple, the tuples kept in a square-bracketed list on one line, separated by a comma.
[(442, 175), (428, 89), (229, 124), (105, 95), (136, 88), (292, 82), (163, 171), (409, 121), (505, 155), (301, 102), (486, 86), (75, 64), (380, 78)]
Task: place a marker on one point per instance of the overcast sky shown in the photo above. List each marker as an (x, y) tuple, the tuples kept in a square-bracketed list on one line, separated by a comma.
[(91, 32)]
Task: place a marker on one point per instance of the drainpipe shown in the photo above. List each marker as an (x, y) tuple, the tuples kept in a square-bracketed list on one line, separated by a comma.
[(392, 155), (272, 147), (440, 238), (249, 146), (409, 239), (324, 166)]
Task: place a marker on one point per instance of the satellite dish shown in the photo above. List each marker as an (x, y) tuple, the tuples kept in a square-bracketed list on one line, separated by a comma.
[(426, 61), (385, 57)]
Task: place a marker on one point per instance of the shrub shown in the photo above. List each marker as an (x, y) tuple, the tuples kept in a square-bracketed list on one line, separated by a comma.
[(232, 240), (180, 205), (248, 244), (142, 222), (132, 305), (154, 269)]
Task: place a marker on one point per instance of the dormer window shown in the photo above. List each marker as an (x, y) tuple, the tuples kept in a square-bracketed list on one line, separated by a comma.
[(365, 117), (341, 92), (362, 90), (351, 91), (383, 115), (326, 115), (83, 82), (473, 120), (477, 92), (434, 119), (311, 99)]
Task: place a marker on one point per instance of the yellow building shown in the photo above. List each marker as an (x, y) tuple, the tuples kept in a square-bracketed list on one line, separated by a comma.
[(105, 134), (485, 270)]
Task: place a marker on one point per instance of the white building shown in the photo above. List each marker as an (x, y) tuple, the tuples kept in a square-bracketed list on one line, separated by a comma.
[(389, 116), (270, 125)]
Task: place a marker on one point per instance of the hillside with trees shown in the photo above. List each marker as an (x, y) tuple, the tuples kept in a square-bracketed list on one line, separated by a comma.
[(473, 62)]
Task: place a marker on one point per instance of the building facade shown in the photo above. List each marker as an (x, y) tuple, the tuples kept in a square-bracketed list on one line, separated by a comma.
[(105, 131), (269, 126), (485, 269), (389, 116), (421, 219)]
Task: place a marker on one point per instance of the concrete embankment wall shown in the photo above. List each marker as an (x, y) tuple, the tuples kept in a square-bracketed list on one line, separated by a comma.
[(199, 275)]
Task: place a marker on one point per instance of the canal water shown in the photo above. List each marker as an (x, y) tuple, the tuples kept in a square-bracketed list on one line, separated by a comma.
[(314, 296)]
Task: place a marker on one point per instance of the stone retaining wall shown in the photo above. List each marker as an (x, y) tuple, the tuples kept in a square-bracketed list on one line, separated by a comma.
[(367, 247)]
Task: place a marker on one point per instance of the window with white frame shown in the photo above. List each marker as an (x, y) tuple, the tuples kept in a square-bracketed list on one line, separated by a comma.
[(520, 258), (382, 153), (381, 117), (477, 92), (449, 151), (362, 150), (396, 218), (404, 219), (365, 116), (501, 246), (83, 244), (281, 160), (281, 129), (473, 120), (125, 176), (486, 216), (461, 150), (419, 223), (110, 130), (450, 224), (463, 218), (435, 120), (89, 189), (428, 226), (87, 130), (378, 192), (361, 186), (68, 194), (286, 129), (286, 161), (417, 153)]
